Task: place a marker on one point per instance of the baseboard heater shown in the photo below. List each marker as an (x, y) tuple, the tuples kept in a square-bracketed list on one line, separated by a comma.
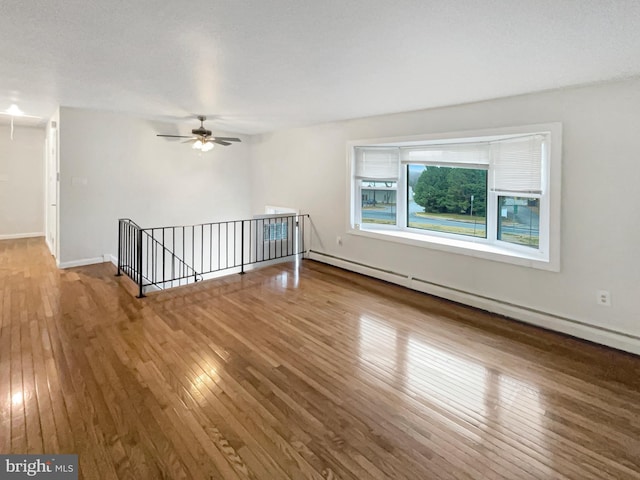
[(602, 335)]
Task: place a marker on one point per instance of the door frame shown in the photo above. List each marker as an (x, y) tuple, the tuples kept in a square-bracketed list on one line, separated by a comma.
[(52, 189)]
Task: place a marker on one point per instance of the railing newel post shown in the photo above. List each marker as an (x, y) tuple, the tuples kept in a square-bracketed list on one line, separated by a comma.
[(139, 264), (119, 273)]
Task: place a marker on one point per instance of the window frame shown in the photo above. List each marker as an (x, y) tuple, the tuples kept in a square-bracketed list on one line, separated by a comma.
[(546, 257), (278, 230)]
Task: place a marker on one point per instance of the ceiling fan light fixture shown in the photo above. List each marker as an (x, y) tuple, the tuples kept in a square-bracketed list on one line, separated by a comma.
[(197, 145), (207, 146)]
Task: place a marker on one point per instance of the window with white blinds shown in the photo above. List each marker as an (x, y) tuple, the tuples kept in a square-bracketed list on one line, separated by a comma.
[(470, 155), (517, 164), (377, 163)]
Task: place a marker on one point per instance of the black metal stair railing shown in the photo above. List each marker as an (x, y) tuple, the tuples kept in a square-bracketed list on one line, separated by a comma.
[(138, 258), (130, 251), (164, 257)]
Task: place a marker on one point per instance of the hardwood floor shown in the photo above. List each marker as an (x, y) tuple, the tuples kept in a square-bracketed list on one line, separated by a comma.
[(304, 373)]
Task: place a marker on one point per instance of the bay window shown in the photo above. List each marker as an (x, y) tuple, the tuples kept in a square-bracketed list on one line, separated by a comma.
[(484, 195)]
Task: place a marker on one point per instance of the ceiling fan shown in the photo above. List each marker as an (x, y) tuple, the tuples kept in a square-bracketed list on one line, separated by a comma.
[(202, 138)]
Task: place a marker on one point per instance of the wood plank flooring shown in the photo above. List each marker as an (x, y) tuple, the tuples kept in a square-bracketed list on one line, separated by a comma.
[(298, 373)]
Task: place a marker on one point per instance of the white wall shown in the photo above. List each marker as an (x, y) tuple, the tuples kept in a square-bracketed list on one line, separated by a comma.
[(21, 182), (306, 168), (113, 166)]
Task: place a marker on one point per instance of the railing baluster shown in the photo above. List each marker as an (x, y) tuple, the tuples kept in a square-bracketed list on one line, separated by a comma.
[(242, 247), (264, 241), (131, 246), (302, 238), (173, 258), (271, 245), (183, 257), (125, 253), (279, 225), (154, 257), (163, 255)]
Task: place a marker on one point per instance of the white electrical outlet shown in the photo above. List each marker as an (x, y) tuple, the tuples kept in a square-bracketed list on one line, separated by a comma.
[(603, 298)]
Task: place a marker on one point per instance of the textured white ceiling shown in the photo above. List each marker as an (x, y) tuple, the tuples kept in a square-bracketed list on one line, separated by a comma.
[(263, 65)]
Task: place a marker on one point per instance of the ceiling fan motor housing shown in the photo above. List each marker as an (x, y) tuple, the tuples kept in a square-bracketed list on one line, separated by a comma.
[(201, 131), (203, 136)]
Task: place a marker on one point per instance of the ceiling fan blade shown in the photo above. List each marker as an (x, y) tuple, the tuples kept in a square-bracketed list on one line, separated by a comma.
[(191, 140), (175, 136), (228, 139), (220, 142)]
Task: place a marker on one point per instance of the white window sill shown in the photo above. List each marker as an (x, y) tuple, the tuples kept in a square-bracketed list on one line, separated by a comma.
[(468, 247)]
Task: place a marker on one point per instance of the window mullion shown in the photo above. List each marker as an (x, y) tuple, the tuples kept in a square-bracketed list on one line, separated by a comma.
[(543, 222), (492, 209), (401, 199)]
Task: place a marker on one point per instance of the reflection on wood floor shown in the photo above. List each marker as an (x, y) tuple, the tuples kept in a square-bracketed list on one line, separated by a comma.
[(308, 372)]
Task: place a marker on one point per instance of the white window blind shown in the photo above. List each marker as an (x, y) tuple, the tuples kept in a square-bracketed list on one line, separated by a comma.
[(449, 155), (377, 163), (517, 164)]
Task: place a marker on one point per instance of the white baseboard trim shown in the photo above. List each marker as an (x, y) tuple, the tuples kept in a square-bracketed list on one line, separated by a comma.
[(576, 328), (49, 246), (81, 262), (247, 268), (107, 257), (13, 236)]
